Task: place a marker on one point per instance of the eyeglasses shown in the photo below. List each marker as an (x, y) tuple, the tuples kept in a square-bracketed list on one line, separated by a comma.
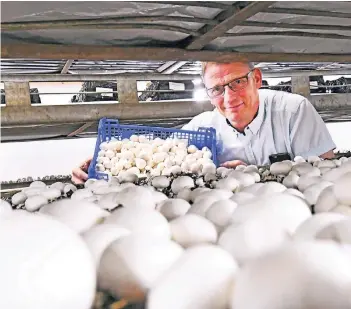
[(235, 85)]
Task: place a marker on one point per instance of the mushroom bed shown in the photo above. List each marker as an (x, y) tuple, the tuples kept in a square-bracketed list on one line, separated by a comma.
[(276, 237)]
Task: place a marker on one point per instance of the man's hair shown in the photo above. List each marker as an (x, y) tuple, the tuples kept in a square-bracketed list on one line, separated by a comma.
[(251, 66)]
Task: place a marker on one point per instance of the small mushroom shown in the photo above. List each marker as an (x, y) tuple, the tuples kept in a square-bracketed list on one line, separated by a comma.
[(191, 229), (160, 182), (33, 203), (182, 182)]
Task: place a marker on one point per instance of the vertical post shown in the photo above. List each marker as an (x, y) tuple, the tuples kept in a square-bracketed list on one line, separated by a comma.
[(17, 93), (300, 85), (127, 91)]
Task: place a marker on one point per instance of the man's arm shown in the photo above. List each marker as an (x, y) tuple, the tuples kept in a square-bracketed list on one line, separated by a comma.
[(309, 135)]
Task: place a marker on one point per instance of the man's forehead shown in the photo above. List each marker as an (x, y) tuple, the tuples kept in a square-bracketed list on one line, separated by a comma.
[(222, 73)]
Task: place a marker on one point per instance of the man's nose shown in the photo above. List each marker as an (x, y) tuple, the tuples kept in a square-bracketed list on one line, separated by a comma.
[(229, 95)]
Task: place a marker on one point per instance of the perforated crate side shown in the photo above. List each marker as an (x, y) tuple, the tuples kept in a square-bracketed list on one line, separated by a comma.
[(110, 128)]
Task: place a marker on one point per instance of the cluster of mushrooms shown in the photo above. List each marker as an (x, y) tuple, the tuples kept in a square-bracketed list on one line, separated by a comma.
[(217, 240), (143, 157)]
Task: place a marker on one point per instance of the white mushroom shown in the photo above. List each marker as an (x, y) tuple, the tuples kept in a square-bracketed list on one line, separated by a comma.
[(173, 208), (130, 266), (342, 189), (242, 197), (81, 194), (299, 276), (192, 149), (141, 221), (33, 203), (305, 181), (270, 188), (160, 182), (99, 237), (280, 168), (253, 238), (294, 192), (69, 187), (326, 200), (51, 193), (58, 185), (191, 229), (230, 184), (312, 192), (200, 278), (182, 182), (291, 180), (312, 226), (5, 208), (78, 215), (287, 210), (42, 252), (221, 212), (18, 198), (37, 184), (339, 232), (342, 209)]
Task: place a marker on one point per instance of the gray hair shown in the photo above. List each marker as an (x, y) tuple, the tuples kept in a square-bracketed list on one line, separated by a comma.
[(251, 66)]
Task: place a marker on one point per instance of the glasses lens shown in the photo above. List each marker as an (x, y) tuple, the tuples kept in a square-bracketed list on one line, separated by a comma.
[(215, 91), (238, 84)]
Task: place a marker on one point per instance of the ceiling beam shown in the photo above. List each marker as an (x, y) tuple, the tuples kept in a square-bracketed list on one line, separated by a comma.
[(205, 4), (94, 52), (294, 26), (86, 22), (308, 12), (92, 77), (227, 24), (174, 67), (113, 77), (81, 129), (333, 36), (229, 12), (165, 66), (67, 65), (50, 114)]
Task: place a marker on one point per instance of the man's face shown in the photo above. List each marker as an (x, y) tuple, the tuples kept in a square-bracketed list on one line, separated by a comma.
[(238, 107)]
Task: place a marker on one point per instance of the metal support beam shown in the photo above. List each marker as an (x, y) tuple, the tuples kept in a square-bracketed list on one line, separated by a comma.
[(328, 104), (333, 101), (17, 93), (165, 66), (235, 20), (93, 77), (50, 114), (308, 12), (174, 67), (127, 91), (90, 52), (147, 77), (300, 85), (66, 67), (81, 129)]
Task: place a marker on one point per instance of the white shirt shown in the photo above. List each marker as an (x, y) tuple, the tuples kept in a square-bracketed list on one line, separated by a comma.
[(285, 123)]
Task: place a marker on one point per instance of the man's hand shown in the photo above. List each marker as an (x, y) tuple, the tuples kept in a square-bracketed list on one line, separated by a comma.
[(79, 174), (328, 155), (233, 164)]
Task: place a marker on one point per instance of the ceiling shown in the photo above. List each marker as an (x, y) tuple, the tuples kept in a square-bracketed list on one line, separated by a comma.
[(267, 31)]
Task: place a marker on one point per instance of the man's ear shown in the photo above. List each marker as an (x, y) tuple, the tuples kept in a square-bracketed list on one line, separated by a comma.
[(257, 77)]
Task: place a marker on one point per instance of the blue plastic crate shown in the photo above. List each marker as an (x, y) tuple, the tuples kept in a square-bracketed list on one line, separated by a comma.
[(110, 128)]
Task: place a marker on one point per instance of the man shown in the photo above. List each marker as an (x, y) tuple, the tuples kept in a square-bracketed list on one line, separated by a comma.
[(252, 124)]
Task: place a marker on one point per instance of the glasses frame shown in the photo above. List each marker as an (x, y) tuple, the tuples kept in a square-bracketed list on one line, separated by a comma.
[(229, 86)]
